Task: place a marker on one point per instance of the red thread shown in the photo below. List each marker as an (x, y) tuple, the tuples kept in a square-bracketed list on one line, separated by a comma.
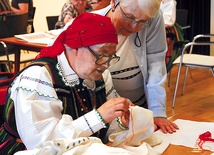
[(128, 140), (202, 138)]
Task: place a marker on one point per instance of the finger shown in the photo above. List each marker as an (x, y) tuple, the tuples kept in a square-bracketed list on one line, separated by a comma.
[(121, 107)]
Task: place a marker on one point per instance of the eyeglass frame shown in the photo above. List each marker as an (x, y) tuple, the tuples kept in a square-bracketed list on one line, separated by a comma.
[(80, 1), (101, 56), (125, 17), (92, 3)]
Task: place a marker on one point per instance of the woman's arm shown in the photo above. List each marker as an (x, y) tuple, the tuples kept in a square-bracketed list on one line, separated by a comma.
[(23, 8)]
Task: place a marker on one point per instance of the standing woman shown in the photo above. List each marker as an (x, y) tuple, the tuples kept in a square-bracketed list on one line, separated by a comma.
[(168, 7), (23, 6)]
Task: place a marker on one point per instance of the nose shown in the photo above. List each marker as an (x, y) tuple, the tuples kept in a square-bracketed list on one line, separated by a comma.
[(106, 64)]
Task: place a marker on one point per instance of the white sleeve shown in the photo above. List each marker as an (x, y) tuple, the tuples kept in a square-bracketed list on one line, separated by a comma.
[(169, 12), (38, 111)]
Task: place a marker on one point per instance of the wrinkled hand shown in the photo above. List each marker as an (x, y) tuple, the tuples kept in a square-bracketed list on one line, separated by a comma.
[(113, 108), (165, 125)]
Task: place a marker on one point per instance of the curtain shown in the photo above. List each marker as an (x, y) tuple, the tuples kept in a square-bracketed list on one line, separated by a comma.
[(198, 19)]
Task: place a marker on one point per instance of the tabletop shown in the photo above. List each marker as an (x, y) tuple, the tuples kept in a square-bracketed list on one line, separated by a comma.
[(23, 44), (182, 150)]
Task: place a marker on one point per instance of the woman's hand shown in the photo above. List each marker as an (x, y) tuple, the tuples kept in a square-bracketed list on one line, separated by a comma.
[(165, 125), (67, 18), (113, 108)]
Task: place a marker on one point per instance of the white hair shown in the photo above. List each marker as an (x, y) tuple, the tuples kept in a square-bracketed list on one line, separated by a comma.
[(150, 7)]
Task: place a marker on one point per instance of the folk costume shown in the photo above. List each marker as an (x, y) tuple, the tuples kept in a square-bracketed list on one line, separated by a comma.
[(47, 100)]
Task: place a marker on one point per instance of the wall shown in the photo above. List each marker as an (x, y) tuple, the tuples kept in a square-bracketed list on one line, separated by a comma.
[(46, 8)]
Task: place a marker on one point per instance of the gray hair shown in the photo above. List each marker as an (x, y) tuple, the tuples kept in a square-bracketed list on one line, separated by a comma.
[(150, 7)]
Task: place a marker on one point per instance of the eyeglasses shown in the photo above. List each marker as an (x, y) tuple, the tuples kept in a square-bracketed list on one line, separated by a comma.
[(130, 18), (92, 3), (80, 0), (103, 59)]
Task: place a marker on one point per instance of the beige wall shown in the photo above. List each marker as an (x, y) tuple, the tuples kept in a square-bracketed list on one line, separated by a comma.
[(46, 8)]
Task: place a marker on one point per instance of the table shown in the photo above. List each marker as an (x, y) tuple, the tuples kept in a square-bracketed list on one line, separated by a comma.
[(21, 45), (182, 150)]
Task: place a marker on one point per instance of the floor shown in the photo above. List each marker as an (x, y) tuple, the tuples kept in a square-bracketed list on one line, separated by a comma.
[(198, 98)]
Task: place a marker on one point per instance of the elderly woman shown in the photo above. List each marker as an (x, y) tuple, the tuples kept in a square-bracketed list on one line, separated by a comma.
[(141, 73), (62, 94)]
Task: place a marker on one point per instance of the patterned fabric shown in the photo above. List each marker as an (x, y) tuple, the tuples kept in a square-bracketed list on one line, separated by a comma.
[(175, 42), (4, 6), (4, 9), (9, 138)]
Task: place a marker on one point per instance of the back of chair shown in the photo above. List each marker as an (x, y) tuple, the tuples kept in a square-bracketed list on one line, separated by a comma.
[(51, 21), (181, 17), (13, 24), (17, 24)]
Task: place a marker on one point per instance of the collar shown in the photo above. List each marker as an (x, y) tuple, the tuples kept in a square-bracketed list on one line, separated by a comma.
[(69, 77)]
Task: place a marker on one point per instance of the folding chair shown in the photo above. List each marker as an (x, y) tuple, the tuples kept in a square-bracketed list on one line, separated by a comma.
[(188, 59)]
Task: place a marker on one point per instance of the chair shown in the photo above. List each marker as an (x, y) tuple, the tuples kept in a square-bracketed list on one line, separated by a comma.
[(13, 25), (190, 60), (51, 21), (30, 27), (182, 18)]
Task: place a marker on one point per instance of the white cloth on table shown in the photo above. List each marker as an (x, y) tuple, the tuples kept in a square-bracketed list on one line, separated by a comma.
[(187, 135)]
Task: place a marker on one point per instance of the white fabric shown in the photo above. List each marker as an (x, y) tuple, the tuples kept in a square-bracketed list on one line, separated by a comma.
[(38, 109), (91, 146), (134, 141), (139, 129), (168, 7), (187, 135)]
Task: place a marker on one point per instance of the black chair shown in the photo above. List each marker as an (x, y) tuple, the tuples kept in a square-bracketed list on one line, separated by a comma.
[(13, 24), (30, 21), (51, 21), (182, 18)]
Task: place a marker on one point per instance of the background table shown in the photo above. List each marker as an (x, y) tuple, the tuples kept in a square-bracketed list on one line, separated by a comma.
[(21, 45)]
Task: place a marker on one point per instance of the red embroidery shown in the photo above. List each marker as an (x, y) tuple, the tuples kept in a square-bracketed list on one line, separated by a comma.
[(202, 138)]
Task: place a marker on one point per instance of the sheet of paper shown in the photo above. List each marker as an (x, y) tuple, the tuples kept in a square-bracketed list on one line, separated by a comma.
[(37, 37), (187, 135)]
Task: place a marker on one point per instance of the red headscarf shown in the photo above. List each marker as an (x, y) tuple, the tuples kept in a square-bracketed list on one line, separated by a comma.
[(87, 29)]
